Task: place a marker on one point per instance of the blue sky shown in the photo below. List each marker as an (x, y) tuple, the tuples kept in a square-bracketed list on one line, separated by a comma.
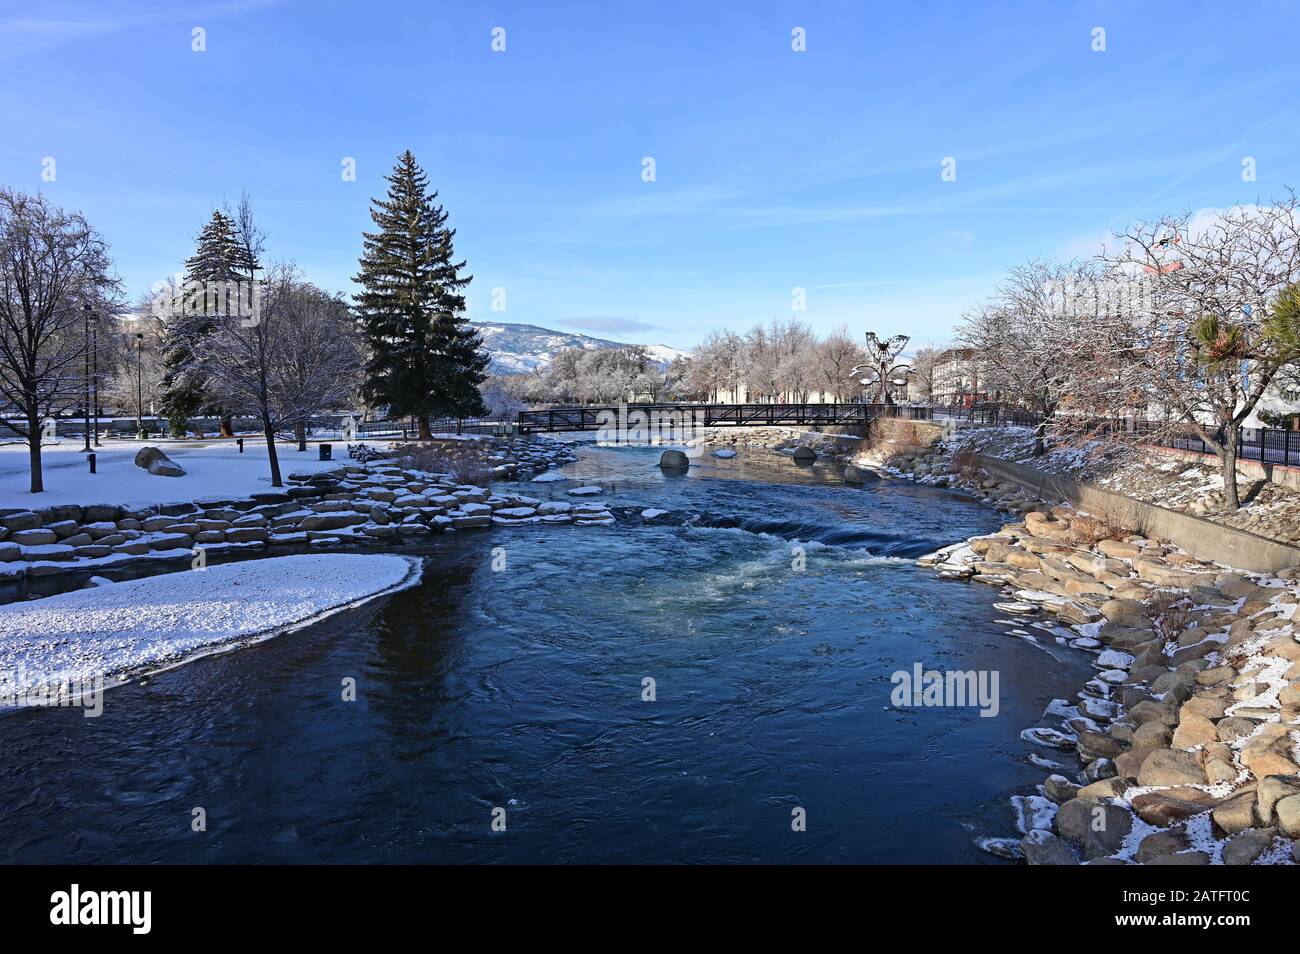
[(775, 169)]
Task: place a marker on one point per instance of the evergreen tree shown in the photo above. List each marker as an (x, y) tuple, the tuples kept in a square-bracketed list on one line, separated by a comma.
[(425, 359), (220, 256)]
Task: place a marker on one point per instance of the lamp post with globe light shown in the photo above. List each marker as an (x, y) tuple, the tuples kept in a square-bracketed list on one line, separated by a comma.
[(883, 368)]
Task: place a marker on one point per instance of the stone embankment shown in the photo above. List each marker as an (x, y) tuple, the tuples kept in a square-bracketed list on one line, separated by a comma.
[(1188, 736), (783, 440), (379, 503)]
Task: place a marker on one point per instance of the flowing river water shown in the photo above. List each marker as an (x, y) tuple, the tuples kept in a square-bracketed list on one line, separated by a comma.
[(770, 606)]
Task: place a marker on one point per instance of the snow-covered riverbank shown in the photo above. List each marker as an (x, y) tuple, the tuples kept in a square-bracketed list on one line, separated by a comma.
[(119, 629), (212, 469), (1188, 737)]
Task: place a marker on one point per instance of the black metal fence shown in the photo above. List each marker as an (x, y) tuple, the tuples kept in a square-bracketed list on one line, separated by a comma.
[(686, 414), (407, 429), (1266, 444), (982, 414)]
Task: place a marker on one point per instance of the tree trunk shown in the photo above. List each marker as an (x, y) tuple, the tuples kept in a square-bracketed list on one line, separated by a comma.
[(270, 451), (1229, 459), (425, 433), (1040, 439), (459, 422), (226, 425), (300, 432), (34, 450)]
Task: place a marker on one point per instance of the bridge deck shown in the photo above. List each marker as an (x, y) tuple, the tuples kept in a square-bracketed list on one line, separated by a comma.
[(556, 419)]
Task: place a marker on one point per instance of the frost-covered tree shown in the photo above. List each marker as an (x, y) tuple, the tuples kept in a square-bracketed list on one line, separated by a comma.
[(318, 353), (503, 395), (52, 264), (714, 370), (921, 381), (835, 356), (1027, 338), (297, 357), (131, 368), (1206, 324), (425, 358)]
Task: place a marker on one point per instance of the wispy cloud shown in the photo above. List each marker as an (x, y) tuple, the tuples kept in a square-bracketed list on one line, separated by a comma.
[(610, 324), (25, 35)]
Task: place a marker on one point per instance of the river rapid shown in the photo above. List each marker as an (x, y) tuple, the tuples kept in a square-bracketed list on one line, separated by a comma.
[(764, 613)]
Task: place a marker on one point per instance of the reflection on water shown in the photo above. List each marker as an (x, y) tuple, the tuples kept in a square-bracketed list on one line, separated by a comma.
[(522, 689)]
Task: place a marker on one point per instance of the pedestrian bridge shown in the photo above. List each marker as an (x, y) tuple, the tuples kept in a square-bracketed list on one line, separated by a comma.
[(684, 415)]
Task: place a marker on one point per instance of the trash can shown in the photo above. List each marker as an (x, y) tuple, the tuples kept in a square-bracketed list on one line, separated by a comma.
[(327, 452)]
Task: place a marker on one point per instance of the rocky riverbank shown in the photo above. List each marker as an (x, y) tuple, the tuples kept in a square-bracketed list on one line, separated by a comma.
[(783, 440), (384, 501), (1182, 481), (1188, 737)]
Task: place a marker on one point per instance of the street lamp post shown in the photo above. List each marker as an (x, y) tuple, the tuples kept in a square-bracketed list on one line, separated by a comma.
[(86, 311), (94, 374), (882, 369), (139, 384)]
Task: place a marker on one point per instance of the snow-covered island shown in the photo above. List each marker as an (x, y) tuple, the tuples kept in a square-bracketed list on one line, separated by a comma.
[(116, 630)]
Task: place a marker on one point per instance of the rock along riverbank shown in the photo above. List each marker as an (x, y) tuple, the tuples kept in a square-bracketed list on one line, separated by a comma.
[(1188, 736)]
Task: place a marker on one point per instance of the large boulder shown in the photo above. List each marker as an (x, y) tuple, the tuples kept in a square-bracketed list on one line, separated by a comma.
[(674, 460), (1158, 844), (1167, 767), (1269, 752), (1271, 790), (1246, 847), (33, 538), (1162, 574), (805, 454), (21, 520), (859, 475), (1195, 730), (1236, 813), (334, 521), (157, 463), (1041, 847), (1288, 815), (1096, 826), (95, 513)]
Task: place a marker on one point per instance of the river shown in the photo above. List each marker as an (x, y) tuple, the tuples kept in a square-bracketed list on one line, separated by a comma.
[(770, 608)]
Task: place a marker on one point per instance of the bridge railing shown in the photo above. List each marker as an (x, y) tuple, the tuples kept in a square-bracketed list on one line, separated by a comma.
[(553, 419)]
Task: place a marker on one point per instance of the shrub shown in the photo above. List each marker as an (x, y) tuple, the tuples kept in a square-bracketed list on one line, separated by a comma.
[(460, 460), (364, 453), (1170, 614)]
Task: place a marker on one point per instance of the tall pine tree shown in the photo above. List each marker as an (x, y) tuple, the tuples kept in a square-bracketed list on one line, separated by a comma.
[(219, 257), (425, 359)]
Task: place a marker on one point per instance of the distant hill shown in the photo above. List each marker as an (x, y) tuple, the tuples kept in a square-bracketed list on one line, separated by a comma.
[(517, 349)]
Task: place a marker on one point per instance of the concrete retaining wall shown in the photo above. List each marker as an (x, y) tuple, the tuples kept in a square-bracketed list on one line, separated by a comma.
[(1201, 538), (902, 432), (1281, 474)]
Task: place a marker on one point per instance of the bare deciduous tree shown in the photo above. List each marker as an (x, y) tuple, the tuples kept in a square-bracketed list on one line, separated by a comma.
[(52, 264), (1027, 339), (921, 382), (836, 355), (298, 356)]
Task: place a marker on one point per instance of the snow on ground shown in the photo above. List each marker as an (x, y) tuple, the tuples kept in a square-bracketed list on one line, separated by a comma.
[(212, 469), (1189, 485), (160, 621)]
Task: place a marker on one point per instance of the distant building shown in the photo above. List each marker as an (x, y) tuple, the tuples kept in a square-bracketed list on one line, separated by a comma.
[(957, 378), (1278, 407)]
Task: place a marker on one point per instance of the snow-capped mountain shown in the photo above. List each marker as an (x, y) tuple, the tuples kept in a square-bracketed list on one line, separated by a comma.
[(517, 349)]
